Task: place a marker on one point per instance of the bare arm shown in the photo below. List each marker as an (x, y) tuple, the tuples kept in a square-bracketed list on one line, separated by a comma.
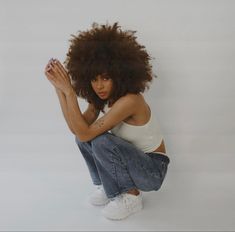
[(123, 108), (90, 115), (63, 105)]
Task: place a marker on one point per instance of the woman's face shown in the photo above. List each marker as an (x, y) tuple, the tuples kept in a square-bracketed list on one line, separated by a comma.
[(102, 85)]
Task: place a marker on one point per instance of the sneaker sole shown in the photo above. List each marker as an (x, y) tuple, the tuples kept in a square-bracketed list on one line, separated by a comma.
[(121, 218)]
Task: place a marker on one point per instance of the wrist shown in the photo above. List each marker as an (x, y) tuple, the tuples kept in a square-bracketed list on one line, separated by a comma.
[(70, 92), (59, 92)]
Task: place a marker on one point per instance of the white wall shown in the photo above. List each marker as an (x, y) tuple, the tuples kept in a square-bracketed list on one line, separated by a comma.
[(193, 97), (193, 46)]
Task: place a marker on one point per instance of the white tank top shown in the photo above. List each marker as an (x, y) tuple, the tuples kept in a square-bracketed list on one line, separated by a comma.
[(147, 137)]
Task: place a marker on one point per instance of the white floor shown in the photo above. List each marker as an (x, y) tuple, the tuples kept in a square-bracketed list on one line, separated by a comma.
[(45, 183)]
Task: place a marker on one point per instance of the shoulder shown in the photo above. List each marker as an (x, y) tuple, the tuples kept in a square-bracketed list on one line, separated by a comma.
[(126, 103), (130, 98), (129, 102)]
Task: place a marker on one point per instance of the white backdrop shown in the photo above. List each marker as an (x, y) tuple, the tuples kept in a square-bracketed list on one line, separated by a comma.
[(43, 177)]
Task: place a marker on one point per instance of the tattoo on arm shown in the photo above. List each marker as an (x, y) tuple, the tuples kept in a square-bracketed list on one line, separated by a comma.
[(99, 123)]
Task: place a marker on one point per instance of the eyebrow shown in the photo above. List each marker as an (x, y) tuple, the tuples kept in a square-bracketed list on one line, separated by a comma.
[(102, 75)]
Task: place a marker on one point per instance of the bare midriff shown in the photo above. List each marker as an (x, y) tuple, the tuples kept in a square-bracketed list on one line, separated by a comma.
[(161, 148)]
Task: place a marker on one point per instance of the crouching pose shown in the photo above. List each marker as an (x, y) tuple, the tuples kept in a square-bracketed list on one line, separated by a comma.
[(124, 148)]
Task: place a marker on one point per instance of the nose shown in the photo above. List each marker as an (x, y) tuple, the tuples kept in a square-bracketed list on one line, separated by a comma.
[(99, 84)]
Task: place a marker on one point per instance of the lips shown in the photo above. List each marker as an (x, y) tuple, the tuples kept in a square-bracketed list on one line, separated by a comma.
[(101, 93)]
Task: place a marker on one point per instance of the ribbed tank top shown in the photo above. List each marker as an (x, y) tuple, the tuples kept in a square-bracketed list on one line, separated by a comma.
[(147, 137)]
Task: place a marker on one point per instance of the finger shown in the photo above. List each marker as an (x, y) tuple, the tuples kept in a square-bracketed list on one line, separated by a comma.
[(48, 67), (58, 71), (50, 62), (51, 79), (53, 68), (49, 75), (51, 72), (53, 82), (54, 75), (61, 67)]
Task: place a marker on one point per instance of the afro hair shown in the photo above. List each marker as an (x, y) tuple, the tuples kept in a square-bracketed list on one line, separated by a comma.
[(107, 49)]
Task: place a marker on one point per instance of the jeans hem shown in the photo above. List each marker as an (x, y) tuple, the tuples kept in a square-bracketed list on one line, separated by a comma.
[(120, 192)]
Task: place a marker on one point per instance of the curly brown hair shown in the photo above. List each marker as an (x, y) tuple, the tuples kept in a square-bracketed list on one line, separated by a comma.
[(107, 49)]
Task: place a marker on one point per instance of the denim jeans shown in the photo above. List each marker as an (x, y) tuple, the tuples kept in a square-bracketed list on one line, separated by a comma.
[(120, 166)]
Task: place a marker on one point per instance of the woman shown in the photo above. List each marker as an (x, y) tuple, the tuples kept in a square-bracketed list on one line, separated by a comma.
[(124, 149)]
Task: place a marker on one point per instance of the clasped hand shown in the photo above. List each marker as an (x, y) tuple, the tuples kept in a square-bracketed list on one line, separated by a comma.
[(58, 76)]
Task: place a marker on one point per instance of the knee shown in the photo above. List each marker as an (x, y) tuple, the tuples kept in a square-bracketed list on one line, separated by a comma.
[(101, 142)]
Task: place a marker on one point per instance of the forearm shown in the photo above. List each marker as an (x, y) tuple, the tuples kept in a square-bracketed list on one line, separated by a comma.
[(78, 123), (63, 105)]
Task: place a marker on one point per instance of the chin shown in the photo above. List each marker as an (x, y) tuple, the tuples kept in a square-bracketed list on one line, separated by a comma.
[(104, 98)]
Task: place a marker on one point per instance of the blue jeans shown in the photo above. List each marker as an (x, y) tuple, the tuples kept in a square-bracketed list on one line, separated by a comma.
[(120, 166)]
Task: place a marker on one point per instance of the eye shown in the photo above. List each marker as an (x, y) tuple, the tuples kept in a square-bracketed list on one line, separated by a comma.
[(106, 77)]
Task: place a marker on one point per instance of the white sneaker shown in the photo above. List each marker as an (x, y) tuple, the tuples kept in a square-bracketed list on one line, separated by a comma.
[(122, 206), (98, 197)]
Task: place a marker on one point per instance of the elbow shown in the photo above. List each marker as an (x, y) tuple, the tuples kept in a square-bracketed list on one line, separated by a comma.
[(85, 136), (72, 130), (82, 138)]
